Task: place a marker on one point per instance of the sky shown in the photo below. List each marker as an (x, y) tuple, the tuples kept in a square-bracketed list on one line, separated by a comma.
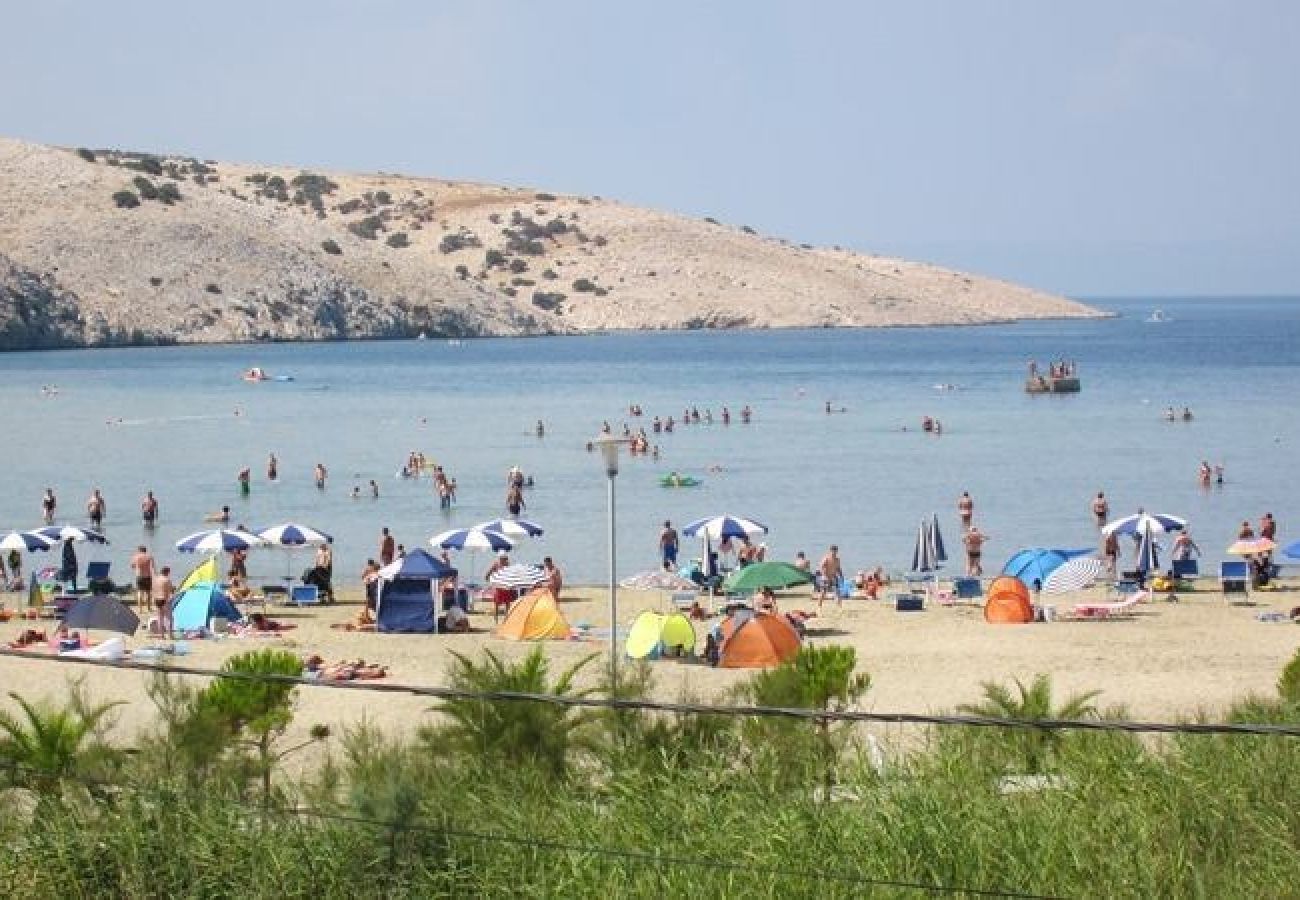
[(1092, 149)]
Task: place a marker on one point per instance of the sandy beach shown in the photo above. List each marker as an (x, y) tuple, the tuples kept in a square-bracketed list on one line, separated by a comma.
[(1167, 661)]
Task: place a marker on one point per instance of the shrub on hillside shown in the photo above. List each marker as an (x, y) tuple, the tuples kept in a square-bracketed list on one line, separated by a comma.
[(145, 187), (86, 153), (398, 240), (367, 228), (545, 198), (549, 301), (518, 266), (126, 200), (213, 288), (584, 285), (168, 193), (494, 258), (331, 247)]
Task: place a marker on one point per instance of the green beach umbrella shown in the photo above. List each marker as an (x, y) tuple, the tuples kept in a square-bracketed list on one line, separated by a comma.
[(756, 576)]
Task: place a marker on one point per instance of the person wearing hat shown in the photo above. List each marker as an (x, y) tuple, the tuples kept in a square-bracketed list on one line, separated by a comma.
[(668, 545)]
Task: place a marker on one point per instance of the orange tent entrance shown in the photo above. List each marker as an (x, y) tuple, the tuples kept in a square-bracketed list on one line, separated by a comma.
[(760, 641), (535, 617), (1008, 602)]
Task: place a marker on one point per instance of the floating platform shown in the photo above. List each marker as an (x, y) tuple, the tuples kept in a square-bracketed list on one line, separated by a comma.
[(1046, 384)]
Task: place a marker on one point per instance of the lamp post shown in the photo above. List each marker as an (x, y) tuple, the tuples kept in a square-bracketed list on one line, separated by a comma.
[(609, 446)]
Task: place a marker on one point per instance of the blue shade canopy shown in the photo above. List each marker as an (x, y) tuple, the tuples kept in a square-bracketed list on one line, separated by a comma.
[(416, 564), (717, 528)]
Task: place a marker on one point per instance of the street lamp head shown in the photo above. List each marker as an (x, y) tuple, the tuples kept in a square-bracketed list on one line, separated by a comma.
[(609, 445)]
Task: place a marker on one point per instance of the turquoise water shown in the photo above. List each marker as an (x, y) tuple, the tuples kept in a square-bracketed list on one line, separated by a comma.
[(165, 419)]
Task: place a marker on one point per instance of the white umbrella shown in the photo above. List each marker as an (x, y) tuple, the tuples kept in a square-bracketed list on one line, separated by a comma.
[(472, 539), (1073, 575), (28, 541), (60, 533), (292, 535), (517, 577), (1158, 523), (218, 540), (511, 528), (717, 528)]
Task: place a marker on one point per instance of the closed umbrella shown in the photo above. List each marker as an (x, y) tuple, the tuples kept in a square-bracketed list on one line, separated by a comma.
[(1074, 575), (717, 528), (924, 557), (1148, 555), (102, 613), (936, 541)]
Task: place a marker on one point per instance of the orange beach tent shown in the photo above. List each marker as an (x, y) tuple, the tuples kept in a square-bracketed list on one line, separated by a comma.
[(759, 642), (1008, 602), (535, 617)]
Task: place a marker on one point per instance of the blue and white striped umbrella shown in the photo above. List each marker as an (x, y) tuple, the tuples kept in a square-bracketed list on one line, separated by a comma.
[(471, 539), (717, 528), (511, 528), (291, 534), (25, 540), (1135, 524), (60, 533), (1074, 575), (924, 554), (218, 540), (517, 577)]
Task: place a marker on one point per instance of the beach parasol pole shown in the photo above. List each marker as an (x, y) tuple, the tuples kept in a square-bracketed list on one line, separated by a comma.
[(609, 454)]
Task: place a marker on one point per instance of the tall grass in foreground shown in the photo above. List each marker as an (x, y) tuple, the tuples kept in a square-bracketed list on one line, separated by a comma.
[(729, 808)]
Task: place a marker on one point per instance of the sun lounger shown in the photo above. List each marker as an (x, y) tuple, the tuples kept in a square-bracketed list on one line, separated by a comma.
[(1234, 578), (1107, 610)]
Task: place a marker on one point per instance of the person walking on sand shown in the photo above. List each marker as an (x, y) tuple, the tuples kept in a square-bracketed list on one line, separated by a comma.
[(1100, 509), (830, 571), (668, 545), (161, 593), (974, 542), (1110, 552), (142, 568), (48, 505), (387, 547), (965, 509)]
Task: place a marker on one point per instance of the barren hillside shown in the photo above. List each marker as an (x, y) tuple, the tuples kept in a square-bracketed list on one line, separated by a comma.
[(104, 246)]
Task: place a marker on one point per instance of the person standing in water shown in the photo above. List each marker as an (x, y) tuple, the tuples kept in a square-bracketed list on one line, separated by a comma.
[(965, 509), (1100, 509), (245, 479), (48, 506), (272, 468), (320, 475), (96, 508), (149, 510)]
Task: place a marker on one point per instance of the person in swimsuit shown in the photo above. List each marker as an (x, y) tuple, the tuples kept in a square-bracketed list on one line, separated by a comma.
[(95, 508), (149, 510), (965, 509), (1100, 509), (974, 541), (142, 567)]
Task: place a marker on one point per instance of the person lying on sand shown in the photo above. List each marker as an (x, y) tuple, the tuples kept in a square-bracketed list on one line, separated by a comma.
[(343, 671), (29, 637)]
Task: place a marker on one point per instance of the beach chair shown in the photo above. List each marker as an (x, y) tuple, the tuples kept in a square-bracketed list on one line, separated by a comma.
[(967, 589), (1108, 610), (1185, 568), (304, 595), (1234, 578), (97, 581)]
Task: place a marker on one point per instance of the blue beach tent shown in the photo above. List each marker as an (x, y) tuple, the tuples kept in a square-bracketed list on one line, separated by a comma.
[(408, 593), (196, 605)]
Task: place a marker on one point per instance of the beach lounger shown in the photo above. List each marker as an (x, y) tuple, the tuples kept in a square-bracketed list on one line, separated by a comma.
[(967, 589), (1107, 610), (1234, 578)]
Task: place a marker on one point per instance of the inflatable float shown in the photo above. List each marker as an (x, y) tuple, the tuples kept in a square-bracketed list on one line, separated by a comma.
[(676, 480), (258, 374)]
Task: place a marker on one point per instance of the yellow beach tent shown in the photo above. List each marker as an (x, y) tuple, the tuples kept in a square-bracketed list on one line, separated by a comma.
[(207, 571), (654, 635), (535, 617)]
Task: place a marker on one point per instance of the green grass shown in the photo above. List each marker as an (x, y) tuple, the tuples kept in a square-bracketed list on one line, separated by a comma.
[(726, 807)]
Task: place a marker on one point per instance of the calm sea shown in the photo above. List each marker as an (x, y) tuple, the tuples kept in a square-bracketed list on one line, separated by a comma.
[(181, 422)]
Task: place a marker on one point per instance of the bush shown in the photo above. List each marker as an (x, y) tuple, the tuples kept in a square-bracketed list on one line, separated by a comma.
[(450, 243), (367, 228), (347, 207), (545, 198), (146, 187), (462, 272), (126, 200), (494, 258), (1288, 685), (550, 275), (600, 240), (584, 285), (331, 247), (169, 193), (155, 281), (383, 198), (548, 301), (518, 266), (398, 240), (86, 153), (213, 288), (747, 229)]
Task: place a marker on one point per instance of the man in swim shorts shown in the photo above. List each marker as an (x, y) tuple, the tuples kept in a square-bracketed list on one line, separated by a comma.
[(668, 545), (1100, 509), (142, 567), (974, 540)]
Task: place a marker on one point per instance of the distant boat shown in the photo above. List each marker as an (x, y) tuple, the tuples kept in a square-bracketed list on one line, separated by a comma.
[(1158, 317)]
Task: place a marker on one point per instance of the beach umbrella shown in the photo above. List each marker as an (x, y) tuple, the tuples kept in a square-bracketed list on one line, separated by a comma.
[(658, 580), (292, 534), (1253, 546), (1035, 564), (718, 528), (1158, 522), (517, 577), (471, 539), (1073, 575), (773, 574), (511, 528), (218, 540), (924, 557), (60, 533), (1292, 550), (1148, 556), (28, 541), (103, 614)]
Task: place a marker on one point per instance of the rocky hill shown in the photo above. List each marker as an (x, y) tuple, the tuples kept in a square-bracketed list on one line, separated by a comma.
[(112, 247)]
